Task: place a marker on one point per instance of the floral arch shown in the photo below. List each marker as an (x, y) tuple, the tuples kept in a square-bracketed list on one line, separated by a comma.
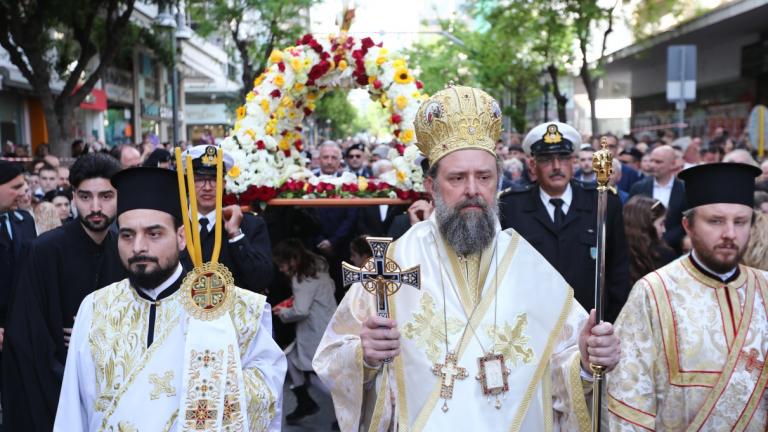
[(266, 143)]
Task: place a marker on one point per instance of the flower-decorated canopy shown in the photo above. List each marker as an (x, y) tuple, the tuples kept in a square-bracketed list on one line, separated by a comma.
[(267, 139)]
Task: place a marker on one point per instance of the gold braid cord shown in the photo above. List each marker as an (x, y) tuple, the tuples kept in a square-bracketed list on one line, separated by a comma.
[(208, 290)]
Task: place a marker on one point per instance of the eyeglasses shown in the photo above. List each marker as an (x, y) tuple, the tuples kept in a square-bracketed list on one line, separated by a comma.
[(548, 159), (202, 181), (354, 156)]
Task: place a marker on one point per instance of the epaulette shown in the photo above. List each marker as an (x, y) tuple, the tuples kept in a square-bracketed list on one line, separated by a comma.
[(514, 190)]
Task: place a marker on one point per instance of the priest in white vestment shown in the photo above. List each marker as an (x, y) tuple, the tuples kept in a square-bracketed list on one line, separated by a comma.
[(694, 333), (139, 361), (493, 339)]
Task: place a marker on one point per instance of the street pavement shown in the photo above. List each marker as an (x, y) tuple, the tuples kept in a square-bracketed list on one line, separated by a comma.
[(320, 422)]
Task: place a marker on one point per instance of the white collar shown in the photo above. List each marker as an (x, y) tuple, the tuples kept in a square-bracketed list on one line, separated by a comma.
[(210, 216), (669, 185), (567, 196), (154, 292), (723, 276)]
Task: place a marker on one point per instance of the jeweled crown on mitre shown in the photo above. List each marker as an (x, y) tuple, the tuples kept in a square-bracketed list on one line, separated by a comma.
[(457, 118)]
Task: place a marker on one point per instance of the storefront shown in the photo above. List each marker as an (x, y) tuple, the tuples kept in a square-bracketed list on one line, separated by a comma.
[(207, 123)]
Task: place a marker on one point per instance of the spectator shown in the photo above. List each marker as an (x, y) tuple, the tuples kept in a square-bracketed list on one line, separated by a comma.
[(740, 156), (586, 174), (631, 157), (24, 201), (61, 199), (79, 148), (665, 187), (628, 175), (712, 154), (502, 151), (645, 164), (46, 217), (615, 179), (311, 308), (63, 181), (359, 250), (380, 152), (330, 159), (127, 155), (757, 247), (159, 158), (356, 163), (761, 201), (381, 166), (644, 220), (513, 170), (49, 178)]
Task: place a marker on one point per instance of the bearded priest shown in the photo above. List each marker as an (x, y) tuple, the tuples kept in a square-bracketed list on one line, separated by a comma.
[(140, 359), (493, 339), (694, 333)]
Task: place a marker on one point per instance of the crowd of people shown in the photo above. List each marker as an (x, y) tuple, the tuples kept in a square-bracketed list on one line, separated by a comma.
[(63, 227)]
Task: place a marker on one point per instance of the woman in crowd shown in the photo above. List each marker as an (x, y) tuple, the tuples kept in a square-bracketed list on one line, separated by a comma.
[(311, 308), (644, 227), (61, 198), (757, 248), (46, 217)]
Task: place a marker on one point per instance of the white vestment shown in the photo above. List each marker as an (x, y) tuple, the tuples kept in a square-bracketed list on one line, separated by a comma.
[(537, 325), (113, 382)]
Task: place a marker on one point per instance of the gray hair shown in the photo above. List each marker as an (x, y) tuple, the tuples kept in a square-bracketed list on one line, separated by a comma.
[(379, 165), (513, 165)]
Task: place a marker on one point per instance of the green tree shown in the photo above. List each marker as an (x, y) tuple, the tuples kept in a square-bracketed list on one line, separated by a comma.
[(437, 61), (71, 40), (256, 27), (648, 15), (335, 107)]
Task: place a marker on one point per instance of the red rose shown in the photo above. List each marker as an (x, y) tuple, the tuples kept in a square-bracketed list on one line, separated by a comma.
[(396, 132), (396, 118), (329, 187), (306, 39), (287, 153), (400, 148), (419, 85), (298, 144), (281, 66), (275, 93), (377, 84), (260, 145), (307, 111), (229, 199), (367, 43)]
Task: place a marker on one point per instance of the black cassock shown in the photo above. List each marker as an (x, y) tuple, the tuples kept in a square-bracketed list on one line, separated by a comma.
[(61, 268)]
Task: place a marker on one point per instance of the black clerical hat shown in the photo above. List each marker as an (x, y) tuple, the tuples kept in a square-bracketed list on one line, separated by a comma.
[(9, 171), (727, 183), (147, 188)]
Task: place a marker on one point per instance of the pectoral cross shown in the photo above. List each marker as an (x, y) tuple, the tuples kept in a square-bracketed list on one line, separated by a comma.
[(448, 372), (208, 291), (380, 275)]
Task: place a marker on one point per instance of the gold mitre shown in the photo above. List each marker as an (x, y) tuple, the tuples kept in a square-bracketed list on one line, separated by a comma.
[(457, 118)]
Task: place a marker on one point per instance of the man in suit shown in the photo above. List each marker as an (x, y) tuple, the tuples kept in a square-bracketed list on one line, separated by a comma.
[(355, 157), (17, 227), (665, 187), (246, 250), (557, 216), (629, 176)]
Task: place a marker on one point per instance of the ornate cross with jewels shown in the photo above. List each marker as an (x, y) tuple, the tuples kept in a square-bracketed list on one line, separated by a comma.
[(448, 373), (752, 362), (162, 385), (380, 275)]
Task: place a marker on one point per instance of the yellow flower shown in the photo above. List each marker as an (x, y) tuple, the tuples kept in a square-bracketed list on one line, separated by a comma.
[(311, 96), (251, 133), (416, 95), (306, 187), (276, 56), (407, 135), (284, 144), (402, 76), (399, 64), (257, 82), (342, 65), (271, 127), (383, 51), (250, 96), (401, 176), (381, 60), (297, 64), (298, 87), (241, 112), (307, 62), (264, 105), (362, 184), (237, 126), (280, 113), (279, 80), (291, 114), (401, 102), (286, 102), (234, 172), (311, 106), (371, 79)]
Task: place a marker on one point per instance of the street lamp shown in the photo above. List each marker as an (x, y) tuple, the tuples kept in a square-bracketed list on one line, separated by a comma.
[(165, 20)]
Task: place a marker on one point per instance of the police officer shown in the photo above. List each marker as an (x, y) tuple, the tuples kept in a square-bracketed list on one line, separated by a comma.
[(557, 215), (246, 249)]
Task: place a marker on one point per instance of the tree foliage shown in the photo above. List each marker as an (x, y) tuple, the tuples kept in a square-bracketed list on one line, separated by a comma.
[(650, 16), (70, 40), (255, 27), (335, 107)]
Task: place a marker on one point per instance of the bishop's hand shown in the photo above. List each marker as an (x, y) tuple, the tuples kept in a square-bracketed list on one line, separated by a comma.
[(380, 340), (598, 344)]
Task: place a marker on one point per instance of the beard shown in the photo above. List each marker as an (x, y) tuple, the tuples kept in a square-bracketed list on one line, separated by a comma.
[(708, 257), (467, 233), (143, 277), (101, 226)]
